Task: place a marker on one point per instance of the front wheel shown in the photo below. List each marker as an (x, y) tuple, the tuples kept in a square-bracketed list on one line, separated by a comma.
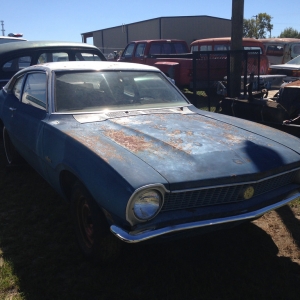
[(12, 155), (91, 228)]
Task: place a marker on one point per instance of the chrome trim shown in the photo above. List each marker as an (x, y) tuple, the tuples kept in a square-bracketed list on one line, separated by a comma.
[(130, 217), (172, 109), (140, 236), (233, 184)]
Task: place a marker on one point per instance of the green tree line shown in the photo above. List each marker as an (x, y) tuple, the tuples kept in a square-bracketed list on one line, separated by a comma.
[(260, 27)]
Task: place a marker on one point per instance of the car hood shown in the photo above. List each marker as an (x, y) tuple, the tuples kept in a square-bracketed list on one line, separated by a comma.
[(286, 67), (193, 149)]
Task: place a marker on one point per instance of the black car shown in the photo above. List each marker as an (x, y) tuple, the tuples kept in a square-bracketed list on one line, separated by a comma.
[(16, 56)]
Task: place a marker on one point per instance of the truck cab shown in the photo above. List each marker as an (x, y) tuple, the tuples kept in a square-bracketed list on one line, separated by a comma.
[(141, 51)]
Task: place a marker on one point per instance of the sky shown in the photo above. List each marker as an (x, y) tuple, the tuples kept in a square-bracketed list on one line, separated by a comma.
[(64, 20)]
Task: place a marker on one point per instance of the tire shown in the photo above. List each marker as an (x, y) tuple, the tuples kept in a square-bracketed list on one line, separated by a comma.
[(12, 155), (91, 227)]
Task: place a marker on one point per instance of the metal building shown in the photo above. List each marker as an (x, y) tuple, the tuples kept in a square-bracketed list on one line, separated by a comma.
[(188, 28)]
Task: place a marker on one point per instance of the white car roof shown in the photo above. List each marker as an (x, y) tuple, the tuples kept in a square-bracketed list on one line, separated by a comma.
[(93, 65), (7, 39)]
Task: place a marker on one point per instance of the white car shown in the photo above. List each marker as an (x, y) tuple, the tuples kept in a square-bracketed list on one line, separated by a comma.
[(8, 39), (291, 69)]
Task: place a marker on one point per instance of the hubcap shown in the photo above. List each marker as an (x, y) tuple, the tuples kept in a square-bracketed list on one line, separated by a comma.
[(85, 222)]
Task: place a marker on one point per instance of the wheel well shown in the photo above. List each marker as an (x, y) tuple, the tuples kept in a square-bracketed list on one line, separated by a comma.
[(67, 180)]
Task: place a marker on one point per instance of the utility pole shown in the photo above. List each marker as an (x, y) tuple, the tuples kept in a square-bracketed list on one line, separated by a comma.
[(256, 33), (2, 25), (237, 20)]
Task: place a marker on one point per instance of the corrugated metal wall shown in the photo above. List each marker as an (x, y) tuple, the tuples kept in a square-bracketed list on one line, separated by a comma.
[(194, 28), (147, 30), (185, 28)]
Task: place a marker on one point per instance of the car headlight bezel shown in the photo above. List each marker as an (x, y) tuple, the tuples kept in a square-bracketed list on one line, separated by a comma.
[(138, 203)]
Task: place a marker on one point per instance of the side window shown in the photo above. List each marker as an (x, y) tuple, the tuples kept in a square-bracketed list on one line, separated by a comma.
[(16, 64), (17, 87), (221, 47), (253, 48), (140, 50), (35, 90), (194, 48), (206, 48), (87, 56), (128, 52), (296, 50), (53, 56)]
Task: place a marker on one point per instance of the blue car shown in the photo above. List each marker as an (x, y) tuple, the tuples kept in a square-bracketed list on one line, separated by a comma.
[(136, 161)]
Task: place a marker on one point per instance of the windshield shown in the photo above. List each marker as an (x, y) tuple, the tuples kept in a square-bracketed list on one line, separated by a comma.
[(294, 61), (114, 90)]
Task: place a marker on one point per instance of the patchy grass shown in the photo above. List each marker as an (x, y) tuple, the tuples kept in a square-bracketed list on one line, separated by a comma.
[(39, 258)]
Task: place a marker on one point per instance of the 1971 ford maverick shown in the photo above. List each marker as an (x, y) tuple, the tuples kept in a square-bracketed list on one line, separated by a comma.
[(136, 160)]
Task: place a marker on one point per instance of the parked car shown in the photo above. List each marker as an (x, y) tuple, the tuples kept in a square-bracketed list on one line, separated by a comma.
[(16, 56), (281, 111), (136, 160), (143, 52), (291, 69), (281, 50)]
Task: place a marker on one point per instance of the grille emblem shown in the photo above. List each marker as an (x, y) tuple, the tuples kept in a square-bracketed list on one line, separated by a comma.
[(248, 192)]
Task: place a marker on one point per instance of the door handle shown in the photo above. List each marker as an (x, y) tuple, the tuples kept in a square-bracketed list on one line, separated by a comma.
[(12, 109)]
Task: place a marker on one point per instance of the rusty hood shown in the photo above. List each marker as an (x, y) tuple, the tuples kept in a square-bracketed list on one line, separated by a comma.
[(192, 149)]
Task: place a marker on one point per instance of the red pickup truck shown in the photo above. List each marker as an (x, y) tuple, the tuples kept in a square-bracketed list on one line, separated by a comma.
[(141, 52), (179, 64)]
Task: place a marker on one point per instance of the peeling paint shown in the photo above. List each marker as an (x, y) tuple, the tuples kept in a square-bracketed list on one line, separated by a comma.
[(132, 143)]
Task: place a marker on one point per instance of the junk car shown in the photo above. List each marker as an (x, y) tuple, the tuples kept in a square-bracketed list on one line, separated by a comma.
[(290, 69), (136, 161), (16, 56)]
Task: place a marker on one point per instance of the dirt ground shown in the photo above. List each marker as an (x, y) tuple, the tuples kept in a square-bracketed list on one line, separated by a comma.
[(283, 225)]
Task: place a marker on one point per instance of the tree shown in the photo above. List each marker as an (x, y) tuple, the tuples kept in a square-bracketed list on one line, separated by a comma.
[(290, 33), (259, 27)]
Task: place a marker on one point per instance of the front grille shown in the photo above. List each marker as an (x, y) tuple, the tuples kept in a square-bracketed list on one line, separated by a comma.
[(223, 195)]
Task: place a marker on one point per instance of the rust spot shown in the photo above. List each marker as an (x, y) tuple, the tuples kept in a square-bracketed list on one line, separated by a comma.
[(237, 161), (176, 143), (104, 150), (159, 127), (233, 138), (132, 143), (175, 132)]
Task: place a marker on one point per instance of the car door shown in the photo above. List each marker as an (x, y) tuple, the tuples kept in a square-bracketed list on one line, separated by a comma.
[(128, 53), (139, 55), (24, 110)]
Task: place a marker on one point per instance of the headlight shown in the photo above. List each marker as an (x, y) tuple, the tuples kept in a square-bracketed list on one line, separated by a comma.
[(147, 204)]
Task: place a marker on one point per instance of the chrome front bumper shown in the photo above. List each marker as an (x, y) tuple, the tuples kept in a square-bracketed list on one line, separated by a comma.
[(140, 236)]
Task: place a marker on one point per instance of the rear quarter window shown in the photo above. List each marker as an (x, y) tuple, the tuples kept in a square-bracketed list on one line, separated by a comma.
[(296, 49), (87, 56), (16, 64)]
